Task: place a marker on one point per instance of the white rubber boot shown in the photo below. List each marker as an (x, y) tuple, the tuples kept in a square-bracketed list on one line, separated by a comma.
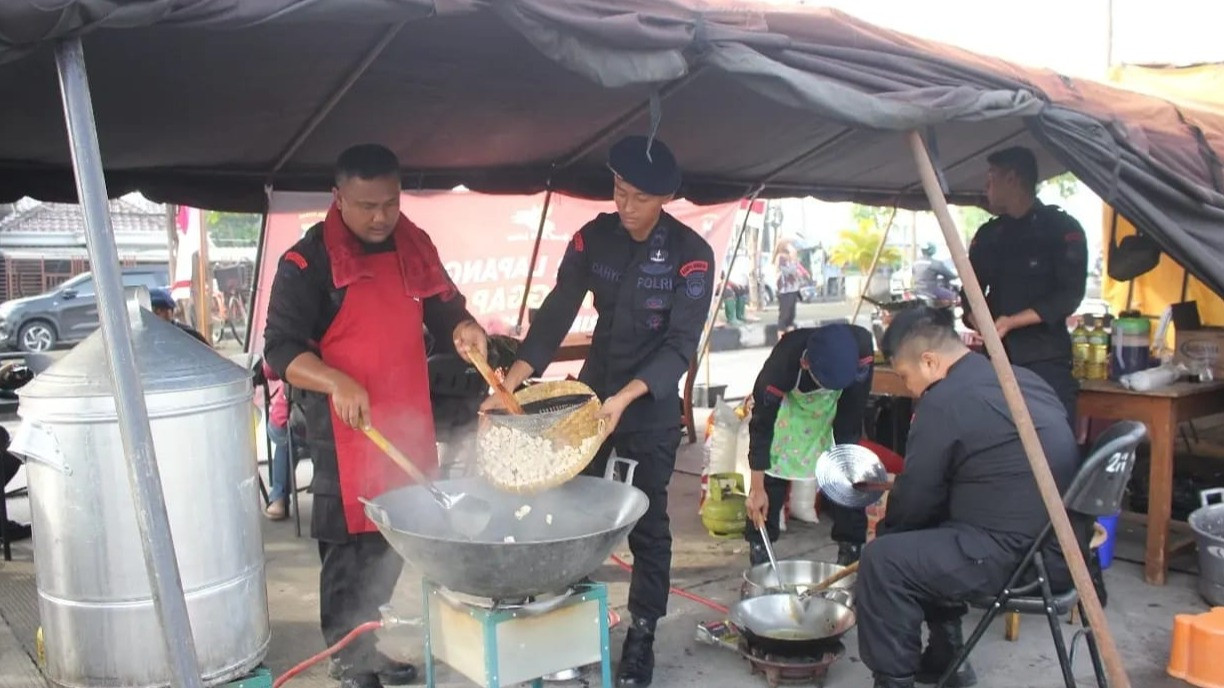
[(803, 500)]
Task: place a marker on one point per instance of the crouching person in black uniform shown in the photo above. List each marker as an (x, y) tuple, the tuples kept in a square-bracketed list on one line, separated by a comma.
[(650, 275), (965, 508), (811, 393)]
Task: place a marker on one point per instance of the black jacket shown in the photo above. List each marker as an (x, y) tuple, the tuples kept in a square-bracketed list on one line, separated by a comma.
[(652, 298), (1038, 261), (964, 462)]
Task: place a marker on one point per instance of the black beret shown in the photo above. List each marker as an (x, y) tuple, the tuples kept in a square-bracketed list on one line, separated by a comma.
[(656, 174)]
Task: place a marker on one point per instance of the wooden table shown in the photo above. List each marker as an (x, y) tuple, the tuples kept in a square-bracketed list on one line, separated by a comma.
[(574, 347), (1161, 410)]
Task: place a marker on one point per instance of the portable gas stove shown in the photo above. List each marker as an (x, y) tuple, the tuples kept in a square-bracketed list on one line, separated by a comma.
[(777, 670), (498, 643)]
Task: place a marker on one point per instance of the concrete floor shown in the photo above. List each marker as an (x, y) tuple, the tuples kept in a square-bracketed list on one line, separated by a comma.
[(1140, 616)]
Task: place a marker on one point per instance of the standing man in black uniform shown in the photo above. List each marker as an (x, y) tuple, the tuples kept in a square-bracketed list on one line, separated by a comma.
[(1032, 262), (965, 509), (651, 278), (833, 359)]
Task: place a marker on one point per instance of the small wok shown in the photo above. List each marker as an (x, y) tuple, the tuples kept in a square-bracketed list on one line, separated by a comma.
[(771, 625), (797, 578)]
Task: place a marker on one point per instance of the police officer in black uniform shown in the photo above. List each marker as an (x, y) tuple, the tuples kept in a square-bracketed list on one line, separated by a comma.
[(831, 357), (651, 277), (965, 508), (1032, 261)]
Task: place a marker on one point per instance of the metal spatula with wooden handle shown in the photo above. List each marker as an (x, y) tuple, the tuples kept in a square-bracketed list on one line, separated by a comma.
[(467, 514)]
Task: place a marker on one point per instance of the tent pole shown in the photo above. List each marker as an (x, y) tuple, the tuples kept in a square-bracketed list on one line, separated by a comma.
[(1024, 422), (143, 476), (535, 255), (875, 261)]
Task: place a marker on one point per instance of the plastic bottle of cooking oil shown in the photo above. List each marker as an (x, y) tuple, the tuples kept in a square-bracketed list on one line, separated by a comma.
[(1079, 348), (39, 648), (1098, 350)]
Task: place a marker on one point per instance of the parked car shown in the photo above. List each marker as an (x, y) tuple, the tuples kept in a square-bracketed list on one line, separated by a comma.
[(67, 313)]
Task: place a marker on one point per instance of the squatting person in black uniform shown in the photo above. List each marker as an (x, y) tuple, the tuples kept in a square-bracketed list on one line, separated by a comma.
[(1032, 262), (651, 278), (965, 508), (811, 393)]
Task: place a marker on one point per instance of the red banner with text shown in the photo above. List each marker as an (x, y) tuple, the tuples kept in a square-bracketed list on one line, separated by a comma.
[(485, 241)]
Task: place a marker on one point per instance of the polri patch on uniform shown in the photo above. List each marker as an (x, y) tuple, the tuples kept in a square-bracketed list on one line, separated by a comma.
[(694, 274), (577, 242), (296, 258)]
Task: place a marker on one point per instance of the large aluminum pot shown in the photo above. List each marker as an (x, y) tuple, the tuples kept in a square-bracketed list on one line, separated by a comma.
[(98, 620), (535, 544), (797, 576)]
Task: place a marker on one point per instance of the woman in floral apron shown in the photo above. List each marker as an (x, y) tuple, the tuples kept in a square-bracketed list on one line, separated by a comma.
[(811, 394)]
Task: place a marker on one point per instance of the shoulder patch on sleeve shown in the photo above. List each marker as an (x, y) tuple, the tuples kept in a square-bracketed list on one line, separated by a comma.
[(577, 242), (774, 391), (295, 258), (694, 266)]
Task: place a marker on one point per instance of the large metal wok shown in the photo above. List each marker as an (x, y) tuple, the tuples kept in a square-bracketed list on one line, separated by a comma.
[(534, 544), (775, 624)]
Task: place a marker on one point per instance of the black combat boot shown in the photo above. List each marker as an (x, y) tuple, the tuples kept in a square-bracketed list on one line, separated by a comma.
[(636, 668), (388, 671), (848, 553), (882, 681), (945, 644)]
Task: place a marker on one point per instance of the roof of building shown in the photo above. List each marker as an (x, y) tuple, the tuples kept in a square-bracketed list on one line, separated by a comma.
[(131, 213)]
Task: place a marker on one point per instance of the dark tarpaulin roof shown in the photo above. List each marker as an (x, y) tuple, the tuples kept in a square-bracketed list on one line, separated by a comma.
[(203, 102)]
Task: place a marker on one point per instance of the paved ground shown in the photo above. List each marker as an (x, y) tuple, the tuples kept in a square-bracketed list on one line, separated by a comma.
[(1140, 616)]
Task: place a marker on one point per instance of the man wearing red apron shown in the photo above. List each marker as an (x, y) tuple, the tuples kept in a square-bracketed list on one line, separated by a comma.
[(346, 322)]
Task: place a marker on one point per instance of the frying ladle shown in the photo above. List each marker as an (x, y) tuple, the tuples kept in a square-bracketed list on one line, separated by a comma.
[(467, 515), (512, 405)]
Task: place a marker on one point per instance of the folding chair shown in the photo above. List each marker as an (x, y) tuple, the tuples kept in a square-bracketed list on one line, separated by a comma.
[(1096, 491)]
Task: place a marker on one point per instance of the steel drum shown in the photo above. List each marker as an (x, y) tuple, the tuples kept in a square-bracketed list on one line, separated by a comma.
[(535, 544), (841, 467)]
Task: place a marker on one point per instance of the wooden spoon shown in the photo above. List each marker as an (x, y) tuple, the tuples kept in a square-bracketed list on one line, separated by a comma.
[(512, 405)]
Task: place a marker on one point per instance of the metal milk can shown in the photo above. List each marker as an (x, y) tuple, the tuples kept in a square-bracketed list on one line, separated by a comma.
[(98, 620)]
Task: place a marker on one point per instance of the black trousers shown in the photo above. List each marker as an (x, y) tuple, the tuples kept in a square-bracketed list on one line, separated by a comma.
[(786, 310), (1057, 374), (849, 525), (8, 463), (907, 578), (357, 577), (651, 539)]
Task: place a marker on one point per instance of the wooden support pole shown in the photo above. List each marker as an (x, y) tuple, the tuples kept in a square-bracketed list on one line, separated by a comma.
[(1024, 422), (875, 262)]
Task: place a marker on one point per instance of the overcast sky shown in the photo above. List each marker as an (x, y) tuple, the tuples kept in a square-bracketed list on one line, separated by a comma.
[(1069, 36)]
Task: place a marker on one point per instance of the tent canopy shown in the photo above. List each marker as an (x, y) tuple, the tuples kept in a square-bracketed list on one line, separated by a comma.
[(208, 102)]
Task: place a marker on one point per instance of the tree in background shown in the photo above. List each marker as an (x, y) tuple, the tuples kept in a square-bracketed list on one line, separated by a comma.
[(857, 247), (233, 229)]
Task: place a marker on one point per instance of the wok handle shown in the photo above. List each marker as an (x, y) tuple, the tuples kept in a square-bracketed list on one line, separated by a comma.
[(629, 464), (512, 405), (868, 486), (376, 512)]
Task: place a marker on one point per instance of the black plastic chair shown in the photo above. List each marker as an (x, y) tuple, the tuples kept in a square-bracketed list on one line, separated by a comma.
[(1096, 491)]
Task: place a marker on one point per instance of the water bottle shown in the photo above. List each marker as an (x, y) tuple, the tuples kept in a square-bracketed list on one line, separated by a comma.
[(1097, 367)]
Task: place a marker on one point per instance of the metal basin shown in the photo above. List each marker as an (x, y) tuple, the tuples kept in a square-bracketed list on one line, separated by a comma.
[(797, 577), (535, 544)]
